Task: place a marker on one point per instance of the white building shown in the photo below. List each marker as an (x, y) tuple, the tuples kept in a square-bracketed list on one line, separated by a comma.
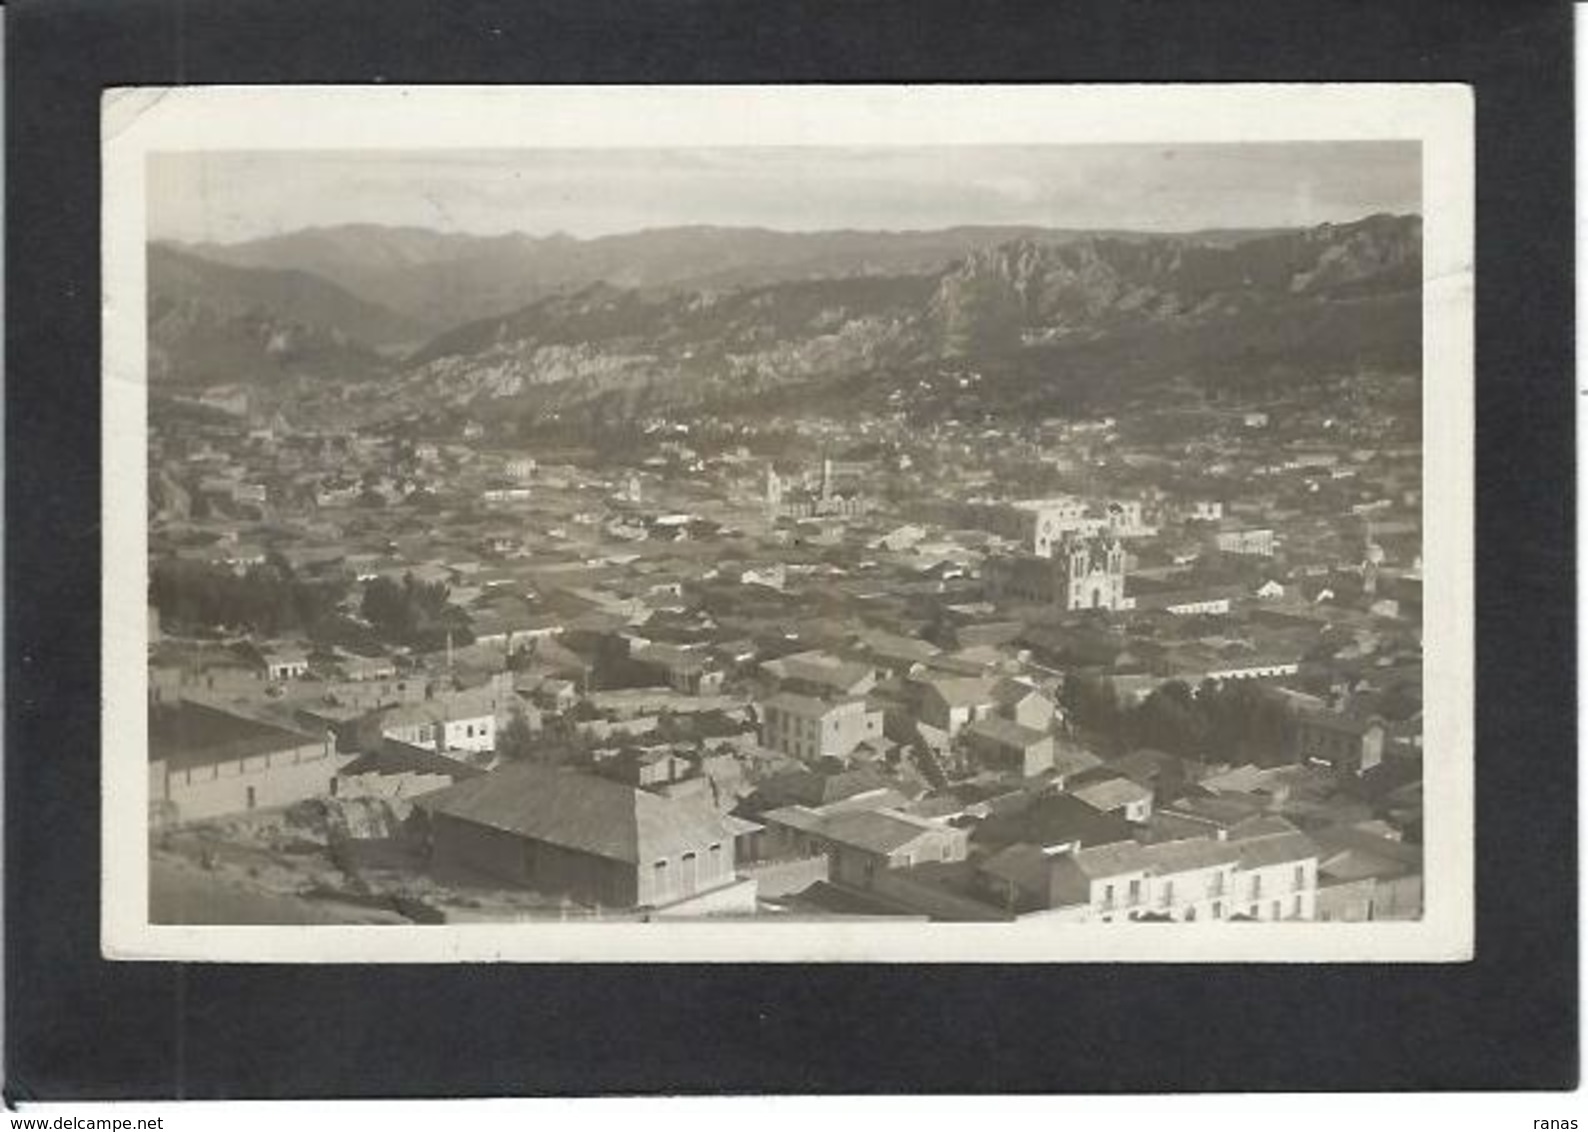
[(810, 727)]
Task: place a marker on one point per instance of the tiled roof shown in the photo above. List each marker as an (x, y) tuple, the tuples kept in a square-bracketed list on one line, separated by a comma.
[(1112, 793), (1006, 732), (396, 757), (1168, 857), (580, 812), (809, 707), (963, 691), (1275, 849), (872, 830), (1112, 860), (1069, 759)]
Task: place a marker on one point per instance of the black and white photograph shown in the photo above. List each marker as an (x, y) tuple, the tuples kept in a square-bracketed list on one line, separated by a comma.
[(874, 523)]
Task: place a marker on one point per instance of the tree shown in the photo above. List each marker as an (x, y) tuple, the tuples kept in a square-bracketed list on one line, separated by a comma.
[(516, 740)]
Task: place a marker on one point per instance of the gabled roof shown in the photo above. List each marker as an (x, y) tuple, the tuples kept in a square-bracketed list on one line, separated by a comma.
[(1145, 764), (1275, 849), (809, 707), (580, 812), (1009, 691), (876, 831), (1225, 810), (1068, 759), (1006, 732), (1169, 857), (967, 691), (452, 707), (1111, 794), (1053, 879), (1054, 819), (1101, 861), (810, 788), (396, 757)]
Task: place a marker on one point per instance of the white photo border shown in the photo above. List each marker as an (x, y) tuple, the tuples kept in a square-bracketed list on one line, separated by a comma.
[(138, 121)]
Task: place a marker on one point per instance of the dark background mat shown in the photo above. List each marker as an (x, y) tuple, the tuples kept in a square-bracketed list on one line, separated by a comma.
[(79, 1027)]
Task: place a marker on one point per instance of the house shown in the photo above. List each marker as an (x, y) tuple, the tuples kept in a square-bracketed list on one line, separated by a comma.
[(811, 727), (587, 838), (692, 673), (1051, 822), (1112, 793), (815, 789), (1070, 760), (393, 769), (284, 662), (205, 762), (892, 653), (1237, 539), (647, 767), (1204, 815), (458, 721), (860, 843), (820, 673), (1365, 877), (1025, 704), (1278, 875), (951, 703), (1347, 744), (359, 667), (1003, 744), (556, 695), (510, 625), (1190, 879)]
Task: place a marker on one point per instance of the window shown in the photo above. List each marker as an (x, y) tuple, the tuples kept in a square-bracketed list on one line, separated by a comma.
[(1257, 884), (1168, 893), (1298, 906), (1108, 896), (252, 799), (1135, 891), (1301, 876)]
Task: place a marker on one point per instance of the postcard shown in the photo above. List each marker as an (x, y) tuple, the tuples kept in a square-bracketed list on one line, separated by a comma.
[(788, 523)]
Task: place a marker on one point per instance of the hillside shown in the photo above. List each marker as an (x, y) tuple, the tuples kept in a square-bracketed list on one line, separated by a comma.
[(214, 324), (441, 280), (1050, 325)]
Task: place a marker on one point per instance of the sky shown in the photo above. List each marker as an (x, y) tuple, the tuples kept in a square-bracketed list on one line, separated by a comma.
[(234, 196)]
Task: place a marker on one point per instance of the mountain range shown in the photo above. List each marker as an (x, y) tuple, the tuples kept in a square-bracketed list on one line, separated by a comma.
[(706, 316)]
